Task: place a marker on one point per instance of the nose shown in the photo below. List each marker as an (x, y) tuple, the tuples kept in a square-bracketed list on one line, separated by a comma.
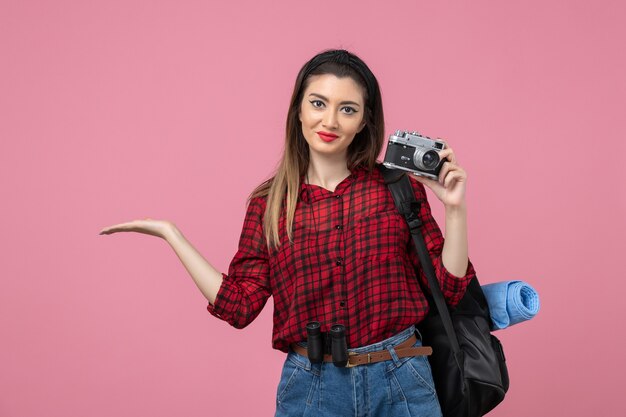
[(330, 120)]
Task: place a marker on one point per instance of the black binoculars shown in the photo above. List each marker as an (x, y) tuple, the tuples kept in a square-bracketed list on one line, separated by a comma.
[(317, 343)]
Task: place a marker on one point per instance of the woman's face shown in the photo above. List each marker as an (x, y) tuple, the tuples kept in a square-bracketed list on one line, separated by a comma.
[(334, 106)]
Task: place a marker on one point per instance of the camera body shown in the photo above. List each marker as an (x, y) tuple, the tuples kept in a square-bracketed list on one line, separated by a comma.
[(414, 153)]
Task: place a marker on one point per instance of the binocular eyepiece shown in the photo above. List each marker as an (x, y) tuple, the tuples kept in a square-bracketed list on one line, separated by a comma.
[(316, 346)]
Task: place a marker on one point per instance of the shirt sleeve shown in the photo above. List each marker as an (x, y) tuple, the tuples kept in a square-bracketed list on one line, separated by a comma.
[(246, 288), (452, 287)]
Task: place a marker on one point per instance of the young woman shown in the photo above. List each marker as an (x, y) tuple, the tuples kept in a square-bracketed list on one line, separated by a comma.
[(324, 238)]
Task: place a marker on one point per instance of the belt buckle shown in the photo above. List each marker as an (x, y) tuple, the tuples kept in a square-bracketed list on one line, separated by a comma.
[(350, 365)]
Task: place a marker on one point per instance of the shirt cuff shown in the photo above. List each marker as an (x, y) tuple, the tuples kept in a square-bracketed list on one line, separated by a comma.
[(453, 287), (218, 307)]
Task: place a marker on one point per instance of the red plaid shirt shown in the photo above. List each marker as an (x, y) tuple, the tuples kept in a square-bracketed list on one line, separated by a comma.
[(352, 261)]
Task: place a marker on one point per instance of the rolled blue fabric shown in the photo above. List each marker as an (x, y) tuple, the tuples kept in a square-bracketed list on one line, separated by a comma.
[(510, 302)]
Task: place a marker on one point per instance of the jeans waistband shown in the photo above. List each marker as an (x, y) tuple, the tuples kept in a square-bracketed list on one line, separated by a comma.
[(383, 344)]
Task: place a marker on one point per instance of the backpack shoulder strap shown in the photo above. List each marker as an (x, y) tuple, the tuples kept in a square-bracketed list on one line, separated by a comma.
[(403, 195)]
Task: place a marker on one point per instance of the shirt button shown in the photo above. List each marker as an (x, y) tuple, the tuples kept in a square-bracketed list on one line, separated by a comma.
[(339, 261), (339, 227), (342, 304), (337, 196)]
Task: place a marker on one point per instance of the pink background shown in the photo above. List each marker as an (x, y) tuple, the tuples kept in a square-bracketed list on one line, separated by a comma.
[(118, 110)]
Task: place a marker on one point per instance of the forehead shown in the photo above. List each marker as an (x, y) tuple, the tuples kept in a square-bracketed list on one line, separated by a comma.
[(335, 88)]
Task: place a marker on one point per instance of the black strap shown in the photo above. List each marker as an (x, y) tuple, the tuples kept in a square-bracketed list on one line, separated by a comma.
[(403, 195)]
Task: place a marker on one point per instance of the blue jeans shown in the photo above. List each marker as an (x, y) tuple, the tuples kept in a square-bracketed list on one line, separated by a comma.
[(397, 387)]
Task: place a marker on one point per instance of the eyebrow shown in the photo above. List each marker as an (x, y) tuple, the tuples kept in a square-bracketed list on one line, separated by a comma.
[(324, 98)]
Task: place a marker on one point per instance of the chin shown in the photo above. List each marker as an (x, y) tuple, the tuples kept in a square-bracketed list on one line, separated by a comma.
[(329, 151)]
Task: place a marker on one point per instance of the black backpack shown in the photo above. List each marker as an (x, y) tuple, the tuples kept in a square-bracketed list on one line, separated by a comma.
[(468, 363)]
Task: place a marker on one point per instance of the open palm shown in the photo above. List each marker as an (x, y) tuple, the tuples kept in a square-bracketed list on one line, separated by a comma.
[(146, 226)]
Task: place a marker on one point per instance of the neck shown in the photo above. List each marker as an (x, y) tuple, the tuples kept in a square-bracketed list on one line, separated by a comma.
[(327, 173)]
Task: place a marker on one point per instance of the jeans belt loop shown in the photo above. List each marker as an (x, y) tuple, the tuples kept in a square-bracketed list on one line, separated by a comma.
[(394, 356)]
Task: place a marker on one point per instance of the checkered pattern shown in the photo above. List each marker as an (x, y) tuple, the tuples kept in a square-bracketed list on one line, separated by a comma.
[(352, 262)]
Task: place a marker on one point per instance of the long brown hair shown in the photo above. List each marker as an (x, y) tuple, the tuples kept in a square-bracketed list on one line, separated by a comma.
[(284, 186)]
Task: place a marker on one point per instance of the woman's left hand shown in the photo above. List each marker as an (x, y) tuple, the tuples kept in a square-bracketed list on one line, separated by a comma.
[(450, 187)]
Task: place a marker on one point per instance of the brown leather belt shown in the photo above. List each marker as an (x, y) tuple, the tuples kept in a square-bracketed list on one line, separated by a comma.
[(403, 350)]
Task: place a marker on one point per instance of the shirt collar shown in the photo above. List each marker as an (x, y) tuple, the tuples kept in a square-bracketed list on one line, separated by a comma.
[(310, 193)]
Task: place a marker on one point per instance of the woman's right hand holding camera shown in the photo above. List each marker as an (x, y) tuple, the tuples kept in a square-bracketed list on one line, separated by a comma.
[(207, 278)]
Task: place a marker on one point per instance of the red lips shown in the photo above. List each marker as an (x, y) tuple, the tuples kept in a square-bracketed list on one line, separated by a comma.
[(327, 137)]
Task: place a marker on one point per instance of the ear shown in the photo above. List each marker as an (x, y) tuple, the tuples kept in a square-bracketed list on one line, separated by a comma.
[(363, 123)]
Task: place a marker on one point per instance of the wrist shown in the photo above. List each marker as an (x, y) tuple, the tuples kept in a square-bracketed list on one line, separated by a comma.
[(456, 210), (171, 233)]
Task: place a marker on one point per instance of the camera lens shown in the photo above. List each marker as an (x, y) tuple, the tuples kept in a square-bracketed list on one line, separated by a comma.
[(426, 160), (430, 159)]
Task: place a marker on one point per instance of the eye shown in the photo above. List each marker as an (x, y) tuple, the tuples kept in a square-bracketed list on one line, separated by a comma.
[(318, 104)]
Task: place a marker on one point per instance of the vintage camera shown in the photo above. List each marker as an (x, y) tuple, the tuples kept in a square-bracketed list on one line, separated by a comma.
[(414, 153)]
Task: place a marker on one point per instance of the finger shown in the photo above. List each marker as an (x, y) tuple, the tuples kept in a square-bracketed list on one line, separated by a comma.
[(445, 168), (427, 181), (108, 230), (112, 229), (448, 154), (443, 172), (120, 227), (453, 176)]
